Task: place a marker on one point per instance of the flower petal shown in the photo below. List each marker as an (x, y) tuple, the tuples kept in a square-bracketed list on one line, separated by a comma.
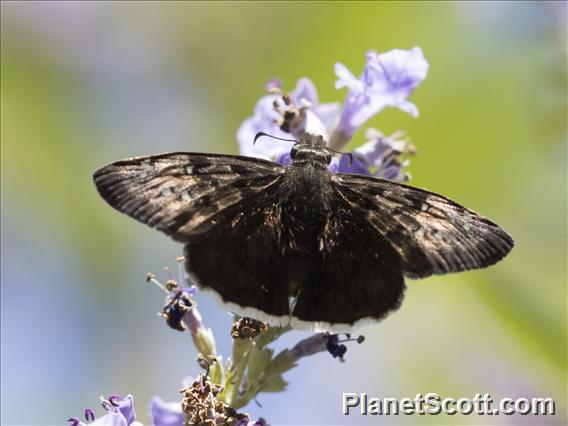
[(245, 137), (403, 69), (356, 166), (409, 108), (165, 413), (126, 408), (267, 119), (111, 419), (305, 90), (285, 159), (274, 84), (387, 80), (346, 78), (334, 165), (328, 113), (314, 125), (371, 153), (267, 149)]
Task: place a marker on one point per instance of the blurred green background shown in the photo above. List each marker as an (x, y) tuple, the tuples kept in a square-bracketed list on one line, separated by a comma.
[(87, 83)]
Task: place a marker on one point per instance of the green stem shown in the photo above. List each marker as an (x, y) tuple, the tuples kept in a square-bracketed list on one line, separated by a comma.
[(235, 374)]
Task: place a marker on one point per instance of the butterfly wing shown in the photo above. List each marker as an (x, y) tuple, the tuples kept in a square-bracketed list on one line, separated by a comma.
[(182, 194), (377, 232), (356, 277), (225, 208), (238, 262), (431, 233)]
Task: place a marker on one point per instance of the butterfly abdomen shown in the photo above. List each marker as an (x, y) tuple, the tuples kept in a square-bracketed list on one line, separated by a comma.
[(304, 211)]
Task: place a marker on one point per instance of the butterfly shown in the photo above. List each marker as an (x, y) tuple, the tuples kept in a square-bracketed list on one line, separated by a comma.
[(300, 245)]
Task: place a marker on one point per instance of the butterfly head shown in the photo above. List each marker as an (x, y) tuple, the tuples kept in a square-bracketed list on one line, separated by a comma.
[(311, 149)]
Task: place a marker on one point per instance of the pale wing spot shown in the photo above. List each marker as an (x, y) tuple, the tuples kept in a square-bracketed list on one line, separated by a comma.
[(167, 192), (419, 233), (185, 196), (189, 169), (219, 168), (147, 168)]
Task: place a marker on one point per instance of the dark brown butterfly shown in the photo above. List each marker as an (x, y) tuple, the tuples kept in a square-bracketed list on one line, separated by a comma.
[(299, 244)]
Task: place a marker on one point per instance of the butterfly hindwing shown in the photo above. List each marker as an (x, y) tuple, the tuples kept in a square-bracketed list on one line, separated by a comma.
[(240, 257), (431, 233), (357, 277), (260, 247), (180, 194)]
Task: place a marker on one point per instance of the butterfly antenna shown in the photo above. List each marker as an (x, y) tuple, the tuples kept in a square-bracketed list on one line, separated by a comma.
[(260, 134), (342, 153)]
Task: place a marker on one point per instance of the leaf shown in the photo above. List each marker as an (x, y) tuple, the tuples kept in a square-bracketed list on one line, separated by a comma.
[(216, 372), (259, 359), (274, 384), (270, 335), (241, 349), (228, 389)]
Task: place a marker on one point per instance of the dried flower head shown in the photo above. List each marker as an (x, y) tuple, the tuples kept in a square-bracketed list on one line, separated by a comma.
[(201, 406), (250, 328)]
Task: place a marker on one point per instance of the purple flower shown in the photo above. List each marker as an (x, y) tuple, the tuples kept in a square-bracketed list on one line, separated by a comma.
[(111, 419), (349, 163), (248, 422), (321, 342), (387, 81), (379, 157), (309, 346), (120, 412), (272, 112), (178, 307), (165, 413), (336, 349), (180, 311), (125, 407)]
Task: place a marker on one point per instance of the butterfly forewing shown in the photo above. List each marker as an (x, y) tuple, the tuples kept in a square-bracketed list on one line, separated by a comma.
[(181, 194), (431, 233)]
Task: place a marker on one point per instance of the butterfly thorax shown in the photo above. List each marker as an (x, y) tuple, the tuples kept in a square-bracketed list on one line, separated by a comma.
[(307, 180), (311, 149)]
